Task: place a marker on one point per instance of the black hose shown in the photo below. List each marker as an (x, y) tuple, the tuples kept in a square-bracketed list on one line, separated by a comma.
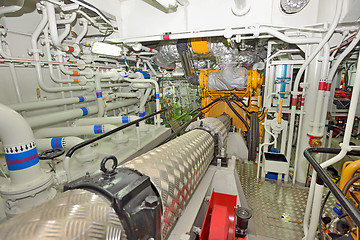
[(203, 108), (239, 99), (237, 114), (89, 141), (174, 134), (349, 208), (245, 110)]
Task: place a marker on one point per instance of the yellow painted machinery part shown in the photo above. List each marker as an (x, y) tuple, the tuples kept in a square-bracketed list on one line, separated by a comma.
[(199, 45), (252, 91), (348, 171)]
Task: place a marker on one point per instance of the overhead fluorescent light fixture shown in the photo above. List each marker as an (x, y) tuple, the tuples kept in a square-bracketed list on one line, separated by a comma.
[(293, 6), (107, 49)]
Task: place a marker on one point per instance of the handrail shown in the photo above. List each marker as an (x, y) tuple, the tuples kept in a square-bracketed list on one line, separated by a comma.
[(350, 209), (89, 141)]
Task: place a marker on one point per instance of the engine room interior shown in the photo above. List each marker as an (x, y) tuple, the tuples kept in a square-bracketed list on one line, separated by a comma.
[(180, 119)]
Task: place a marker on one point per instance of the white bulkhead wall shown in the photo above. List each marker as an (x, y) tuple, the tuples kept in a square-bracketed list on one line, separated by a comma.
[(139, 18)]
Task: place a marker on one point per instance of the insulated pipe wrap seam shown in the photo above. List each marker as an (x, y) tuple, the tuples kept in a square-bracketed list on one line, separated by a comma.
[(176, 168)]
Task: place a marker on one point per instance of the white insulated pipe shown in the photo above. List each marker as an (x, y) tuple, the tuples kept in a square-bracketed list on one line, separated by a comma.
[(87, 73), (105, 120), (65, 33), (36, 53), (52, 118), (18, 4), (58, 142), (5, 53), (306, 63), (82, 33), (339, 5), (67, 20), (254, 30), (157, 93), (51, 103), (99, 94), (73, 131), (49, 58), (345, 147), (19, 147), (319, 107), (52, 24), (315, 211), (58, 117)]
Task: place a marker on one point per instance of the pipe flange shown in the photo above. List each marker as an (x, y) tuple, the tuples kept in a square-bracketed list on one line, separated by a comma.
[(90, 73), (17, 191)]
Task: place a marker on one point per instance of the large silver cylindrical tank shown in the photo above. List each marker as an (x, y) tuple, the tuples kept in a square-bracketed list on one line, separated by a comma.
[(176, 168), (75, 214)]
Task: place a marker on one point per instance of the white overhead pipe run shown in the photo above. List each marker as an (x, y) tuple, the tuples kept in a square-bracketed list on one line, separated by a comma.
[(36, 53), (304, 66), (254, 30), (5, 53), (73, 131), (67, 20), (145, 61), (51, 103), (65, 33), (113, 74), (57, 117), (18, 4), (339, 4), (83, 32), (345, 147), (52, 24), (157, 92), (87, 73)]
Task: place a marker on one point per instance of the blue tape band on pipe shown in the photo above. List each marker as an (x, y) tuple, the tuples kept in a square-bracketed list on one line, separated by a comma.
[(85, 111), (56, 143), (23, 160)]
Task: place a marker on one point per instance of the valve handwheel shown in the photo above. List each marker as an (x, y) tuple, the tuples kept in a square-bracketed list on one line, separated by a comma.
[(51, 154)]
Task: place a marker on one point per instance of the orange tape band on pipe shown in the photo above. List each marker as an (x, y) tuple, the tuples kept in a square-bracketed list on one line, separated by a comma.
[(280, 110)]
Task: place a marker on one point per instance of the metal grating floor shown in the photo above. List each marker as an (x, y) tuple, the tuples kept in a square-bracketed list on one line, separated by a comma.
[(278, 209)]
